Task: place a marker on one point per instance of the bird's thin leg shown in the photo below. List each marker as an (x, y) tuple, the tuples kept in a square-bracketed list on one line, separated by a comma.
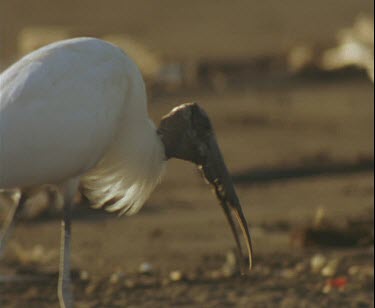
[(65, 292), (10, 221)]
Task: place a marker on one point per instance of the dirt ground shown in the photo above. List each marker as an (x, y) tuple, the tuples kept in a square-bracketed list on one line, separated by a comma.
[(178, 250), (181, 228)]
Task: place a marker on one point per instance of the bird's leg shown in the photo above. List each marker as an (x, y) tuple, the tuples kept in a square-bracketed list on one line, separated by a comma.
[(10, 221), (65, 292)]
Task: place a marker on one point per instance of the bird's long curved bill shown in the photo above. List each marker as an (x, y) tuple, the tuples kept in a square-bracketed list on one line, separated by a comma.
[(216, 173)]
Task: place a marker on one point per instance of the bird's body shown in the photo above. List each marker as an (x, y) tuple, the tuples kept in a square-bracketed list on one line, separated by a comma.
[(78, 108), (76, 111)]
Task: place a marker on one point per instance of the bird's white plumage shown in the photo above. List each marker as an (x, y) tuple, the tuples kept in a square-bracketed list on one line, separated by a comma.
[(78, 108)]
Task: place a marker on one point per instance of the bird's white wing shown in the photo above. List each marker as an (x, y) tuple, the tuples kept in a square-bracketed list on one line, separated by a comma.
[(59, 109), (78, 108)]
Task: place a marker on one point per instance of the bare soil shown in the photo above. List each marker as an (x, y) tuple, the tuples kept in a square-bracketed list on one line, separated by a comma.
[(182, 228), (269, 124)]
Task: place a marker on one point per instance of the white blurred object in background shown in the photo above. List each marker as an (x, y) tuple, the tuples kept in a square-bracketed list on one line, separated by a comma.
[(356, 47)]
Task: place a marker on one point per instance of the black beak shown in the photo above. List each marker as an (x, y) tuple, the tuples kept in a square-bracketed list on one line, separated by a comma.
[(216, 173)]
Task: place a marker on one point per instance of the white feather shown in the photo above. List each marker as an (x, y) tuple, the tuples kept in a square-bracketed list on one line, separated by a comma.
[(79, 108), (127, 174)]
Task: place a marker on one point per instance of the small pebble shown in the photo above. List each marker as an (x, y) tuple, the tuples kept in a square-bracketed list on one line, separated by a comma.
[(327, 289), (330, 269), (317, 263), (175, 276), (84, 275), (145, 268), (231, 259), (116, 277)]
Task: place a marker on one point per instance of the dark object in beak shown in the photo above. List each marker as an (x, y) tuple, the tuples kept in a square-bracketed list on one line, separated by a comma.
[(216, 173)]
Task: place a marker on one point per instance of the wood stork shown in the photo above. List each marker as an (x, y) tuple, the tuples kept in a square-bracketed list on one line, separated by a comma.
[(76, 110)]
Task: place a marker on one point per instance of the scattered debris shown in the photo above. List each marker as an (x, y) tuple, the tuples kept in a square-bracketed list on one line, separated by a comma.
[(175, 275), (275, 272), (230, 267), (355, 47), (116, 277), (145, 268), (215, 274), (319, 219), (335, 283), (84, 275), (354, 52), (317, 263), (330, 269)]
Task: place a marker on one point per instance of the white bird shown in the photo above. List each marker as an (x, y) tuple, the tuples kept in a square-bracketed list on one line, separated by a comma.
[(76, 110)]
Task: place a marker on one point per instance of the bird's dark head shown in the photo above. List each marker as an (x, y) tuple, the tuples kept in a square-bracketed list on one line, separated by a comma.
[(187, 134)]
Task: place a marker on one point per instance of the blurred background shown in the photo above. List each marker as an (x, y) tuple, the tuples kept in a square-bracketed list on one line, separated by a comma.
[(289, 88)]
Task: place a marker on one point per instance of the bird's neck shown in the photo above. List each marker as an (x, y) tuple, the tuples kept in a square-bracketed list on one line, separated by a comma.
[(130, 170), (144, 149)]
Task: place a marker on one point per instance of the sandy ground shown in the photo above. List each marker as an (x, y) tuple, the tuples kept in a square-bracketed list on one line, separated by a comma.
[(182, 228), (181, 234)]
